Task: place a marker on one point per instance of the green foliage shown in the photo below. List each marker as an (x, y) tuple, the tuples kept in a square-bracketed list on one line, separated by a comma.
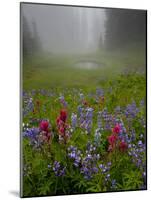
[(120, 89)]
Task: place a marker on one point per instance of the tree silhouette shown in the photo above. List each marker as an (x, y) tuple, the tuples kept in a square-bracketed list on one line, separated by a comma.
[(124, 26), (31, 41)]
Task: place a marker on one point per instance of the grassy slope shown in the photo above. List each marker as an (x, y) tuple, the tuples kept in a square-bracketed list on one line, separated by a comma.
[(58, 72), (52, 71)]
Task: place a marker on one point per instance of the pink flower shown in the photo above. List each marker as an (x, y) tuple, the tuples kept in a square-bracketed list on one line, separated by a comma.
[(62, 130), (61, 123), (47, 136), (63, 115), (112, 139), (123, 146), (110, 148), (117, 128), (44, 125)]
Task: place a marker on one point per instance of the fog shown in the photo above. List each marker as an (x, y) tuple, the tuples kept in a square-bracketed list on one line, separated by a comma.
[(73, 46), (63, 29)]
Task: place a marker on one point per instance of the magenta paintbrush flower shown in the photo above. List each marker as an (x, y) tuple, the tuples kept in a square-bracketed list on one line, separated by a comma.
[(44, 125)]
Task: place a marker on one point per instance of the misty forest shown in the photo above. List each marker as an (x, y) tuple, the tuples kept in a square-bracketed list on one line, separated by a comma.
[(83, 99)]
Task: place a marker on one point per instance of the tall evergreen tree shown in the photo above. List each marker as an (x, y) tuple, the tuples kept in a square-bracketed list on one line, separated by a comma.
[(36, 42), (31, 40), (125, 26), (27, 38)]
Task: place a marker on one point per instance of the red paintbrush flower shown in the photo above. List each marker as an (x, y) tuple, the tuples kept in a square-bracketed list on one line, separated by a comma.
[(123, 146), (62, 131), (59, 122), (116, 129), (44, 125), (63, 115), (112, 139), (46, 136), (110, 148)]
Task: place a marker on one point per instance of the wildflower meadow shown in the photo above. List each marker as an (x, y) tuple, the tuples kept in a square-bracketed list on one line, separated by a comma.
[(83, 100), (84, 142)]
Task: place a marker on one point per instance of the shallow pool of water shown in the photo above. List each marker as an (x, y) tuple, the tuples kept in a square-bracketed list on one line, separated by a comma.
[(87, 64)]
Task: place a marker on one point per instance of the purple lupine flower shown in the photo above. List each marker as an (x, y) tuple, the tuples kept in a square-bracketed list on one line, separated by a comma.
[(88, 157), (62, 172), (105, 168), (122, 131), (73, 121), (90, 148), (87, 163), (113, 184), (129, 146), (74, 154), (56, 165), (133, 135), (95, 169), (26, 170), (142, 103), (109, 164), (49, 166), (85, 118), (140, 143), (104, 113), (107, 177), (101, 166), (131, 110), (97, 137), (34, 137), (25, 127), (99, 123), (87, 174), (137, 154), (81, 115), (33, 92), (118, 109), (79, 108), (24, 94), (77, 161), (138, 162), (58, 169), (97, 156), (144, 174), (31, 133), (88, 119), (72, 148), (108, 119), (99, 93), (42, 92), (62, 101), (29, 107), (81, 97)]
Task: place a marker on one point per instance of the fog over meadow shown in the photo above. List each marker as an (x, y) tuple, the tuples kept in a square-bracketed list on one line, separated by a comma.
[(66, 29), (59, 29), (71, 46)]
